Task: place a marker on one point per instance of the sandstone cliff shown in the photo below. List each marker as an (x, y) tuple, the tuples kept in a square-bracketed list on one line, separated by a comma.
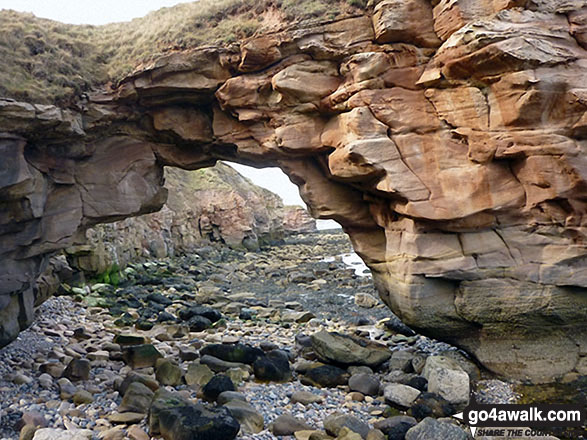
[(207, 205), (447, 137), (296, 219)]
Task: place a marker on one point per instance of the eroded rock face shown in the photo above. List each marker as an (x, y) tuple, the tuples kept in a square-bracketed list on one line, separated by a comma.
[(449, 142), (213, 204)]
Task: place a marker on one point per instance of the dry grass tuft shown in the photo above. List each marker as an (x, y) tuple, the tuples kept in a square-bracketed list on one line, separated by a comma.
[(49, 62)]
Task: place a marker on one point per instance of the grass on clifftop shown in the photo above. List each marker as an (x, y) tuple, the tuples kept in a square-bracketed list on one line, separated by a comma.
[(45, 61)]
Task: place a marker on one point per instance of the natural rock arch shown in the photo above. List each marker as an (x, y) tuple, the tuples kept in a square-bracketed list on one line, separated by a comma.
[(453, 155)]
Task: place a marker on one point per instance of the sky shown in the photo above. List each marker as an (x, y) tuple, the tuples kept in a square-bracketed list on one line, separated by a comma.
[(88, 11), (98, 12)]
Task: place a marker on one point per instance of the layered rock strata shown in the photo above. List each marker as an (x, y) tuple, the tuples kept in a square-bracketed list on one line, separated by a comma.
[(448, 139), (214, 204)]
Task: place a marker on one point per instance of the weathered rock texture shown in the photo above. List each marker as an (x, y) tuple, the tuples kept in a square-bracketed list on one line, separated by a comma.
[(296, 219), (207, 205), (448, 138)]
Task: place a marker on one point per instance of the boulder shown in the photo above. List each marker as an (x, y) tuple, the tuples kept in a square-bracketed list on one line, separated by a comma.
[(335, 422), (137, 398), (432, 429), (274, 366), (400, 395), (447, 378), (216, 386), (332, 347), (286, 424), (175, 418)]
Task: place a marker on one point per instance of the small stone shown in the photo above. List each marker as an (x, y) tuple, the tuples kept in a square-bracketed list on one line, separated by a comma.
[(400, 395), (54, 369), (28, 432), (286, 424), (61, 434), (431, 405), (127, 418), (325, 376), (305, 398), (21, 379), (82, 397), (168, 373), (175, 417), (366, 300), (141, 356), (188, 354), (218, 384), (149, 382), (227, 396), (347, 350), (395, 428), (401, 360), (136, 433), (198, 374), (78, 370), (127, 339), (365, 384), (347, 434), (431, 429), (241, 353), (137, 399), (250, 420), (274, 366), (66, 388), (447, 378), (335, 422), (99, 356)]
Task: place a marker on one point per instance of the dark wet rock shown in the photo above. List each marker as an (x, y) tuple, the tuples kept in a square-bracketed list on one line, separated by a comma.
[(247, 314), (244, 354), (274, 366), (188, 354), (418, 382), (78, 369), (219, 365), (198, 323), (334, 423), (396, 325), (141, 356), (125, 340), (207, 312), (431, 405), (143, 324), (165, 317), (159, 299), (217, 385), (176, 418), (325, 376), (395, 428)]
